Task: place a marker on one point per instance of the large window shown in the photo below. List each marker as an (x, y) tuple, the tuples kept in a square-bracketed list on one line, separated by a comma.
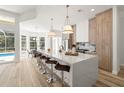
[(33, 43), (7, 42), (23, 41), (42, 43), (2, 42)]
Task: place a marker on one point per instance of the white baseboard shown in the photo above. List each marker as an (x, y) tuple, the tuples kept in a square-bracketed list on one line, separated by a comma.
[(115, 72)]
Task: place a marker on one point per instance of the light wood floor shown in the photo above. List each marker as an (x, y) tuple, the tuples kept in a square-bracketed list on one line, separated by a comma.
[(121, 73), (26, 74), (23, 74), (106, 79)]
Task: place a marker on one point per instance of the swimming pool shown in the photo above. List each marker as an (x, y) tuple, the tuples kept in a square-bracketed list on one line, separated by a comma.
[(7, 57), (6, 54)]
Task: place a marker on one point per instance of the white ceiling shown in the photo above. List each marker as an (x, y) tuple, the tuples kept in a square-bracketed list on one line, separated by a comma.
[(57, 12), (19, 9)]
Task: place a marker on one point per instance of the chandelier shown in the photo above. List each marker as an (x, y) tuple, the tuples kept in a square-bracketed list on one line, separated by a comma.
[(51, 33), (67, 27)]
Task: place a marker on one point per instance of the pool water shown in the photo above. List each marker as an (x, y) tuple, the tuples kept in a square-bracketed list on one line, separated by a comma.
[(7, 54)]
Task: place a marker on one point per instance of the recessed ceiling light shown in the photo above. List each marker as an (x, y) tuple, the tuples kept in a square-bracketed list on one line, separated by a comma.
[(92, 10)]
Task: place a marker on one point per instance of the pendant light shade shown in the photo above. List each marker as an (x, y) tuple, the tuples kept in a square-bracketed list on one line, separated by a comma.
[(67, 28), (51, 33)]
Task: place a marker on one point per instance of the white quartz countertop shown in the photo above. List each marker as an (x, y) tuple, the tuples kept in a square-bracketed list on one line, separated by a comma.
[(68, 59)]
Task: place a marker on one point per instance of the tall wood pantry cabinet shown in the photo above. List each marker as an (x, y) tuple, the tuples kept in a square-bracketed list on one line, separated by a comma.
[(100, 33)]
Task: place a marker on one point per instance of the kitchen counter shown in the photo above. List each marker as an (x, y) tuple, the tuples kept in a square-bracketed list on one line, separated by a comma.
[(83, 71), (68, 59)]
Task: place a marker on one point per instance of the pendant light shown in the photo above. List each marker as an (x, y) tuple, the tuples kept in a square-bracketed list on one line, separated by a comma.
[(51, 33), (67, 27)]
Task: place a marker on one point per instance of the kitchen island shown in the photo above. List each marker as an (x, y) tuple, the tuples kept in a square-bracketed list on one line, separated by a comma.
[(83, 68)]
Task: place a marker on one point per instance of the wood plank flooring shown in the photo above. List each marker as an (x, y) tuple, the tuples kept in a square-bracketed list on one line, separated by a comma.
[(26, 74), (121, 72), (23, 74), (106, 79)]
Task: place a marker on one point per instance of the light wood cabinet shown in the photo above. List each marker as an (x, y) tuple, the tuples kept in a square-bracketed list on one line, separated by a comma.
[(100, 33), (92, 30)]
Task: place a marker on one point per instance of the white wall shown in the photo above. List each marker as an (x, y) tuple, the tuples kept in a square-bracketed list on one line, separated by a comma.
[(121, 38), (8, 27), (82, 32), (56, 42), (5, 26), (47, 43), (28, 15), (10, 15)]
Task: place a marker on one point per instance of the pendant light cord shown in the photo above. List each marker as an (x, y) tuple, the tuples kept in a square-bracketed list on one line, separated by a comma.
[(67, 16), (67, 6), (51, 24)]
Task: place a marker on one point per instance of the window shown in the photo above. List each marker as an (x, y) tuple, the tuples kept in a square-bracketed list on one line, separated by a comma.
[(33, 43), (23, 41), (2, 42), (7, 41), (42, 43)]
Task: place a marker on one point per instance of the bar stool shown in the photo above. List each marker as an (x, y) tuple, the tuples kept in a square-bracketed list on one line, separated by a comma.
[(37, 56), (34, 53), (51, 62), (44, 58), (62, 68), (41, 63)]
